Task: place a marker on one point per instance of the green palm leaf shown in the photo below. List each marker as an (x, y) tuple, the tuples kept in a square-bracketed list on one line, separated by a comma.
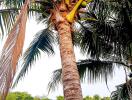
[(93, 44), (43, 41), (11, 9), (93, 70)]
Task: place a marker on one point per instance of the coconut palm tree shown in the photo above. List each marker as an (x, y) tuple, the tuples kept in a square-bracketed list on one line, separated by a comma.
[(96, 45), (120, 25), (61, 15)]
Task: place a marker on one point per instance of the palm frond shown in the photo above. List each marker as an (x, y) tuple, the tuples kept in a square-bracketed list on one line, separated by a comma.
[(43, 41), (11, 8), (7, 17), (8, 13), (91, 70), (130, 1), (122, 92), (55, 80), (93, 44), (109, 33), (40, 9), (12, 51), (13, 3), (95, 70)]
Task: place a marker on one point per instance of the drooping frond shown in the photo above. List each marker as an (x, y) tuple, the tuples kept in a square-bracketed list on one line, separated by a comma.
[(43, 41), (91, 70), (96, 70), (55, 80), (12, 51), (92, 43)]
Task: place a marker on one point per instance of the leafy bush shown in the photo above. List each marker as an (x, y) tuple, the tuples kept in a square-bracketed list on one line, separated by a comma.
[(60, 98), (19, 96)]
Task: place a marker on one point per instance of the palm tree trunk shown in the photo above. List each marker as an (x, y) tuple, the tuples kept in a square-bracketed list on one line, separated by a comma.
[(70, 76)]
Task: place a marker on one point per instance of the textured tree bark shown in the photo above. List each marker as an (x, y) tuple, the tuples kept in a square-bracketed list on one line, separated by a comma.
[(70, 76)]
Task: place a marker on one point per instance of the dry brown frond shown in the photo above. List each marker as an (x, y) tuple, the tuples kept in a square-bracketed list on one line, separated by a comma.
[(12, 50)]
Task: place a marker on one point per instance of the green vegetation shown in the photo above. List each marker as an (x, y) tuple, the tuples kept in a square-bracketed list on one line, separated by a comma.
[(96, 97), (19, 96), (22, 96), (60, 98), (26, 96)]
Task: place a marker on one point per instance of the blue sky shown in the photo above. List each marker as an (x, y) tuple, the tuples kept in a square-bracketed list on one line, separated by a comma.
[(37, 78)]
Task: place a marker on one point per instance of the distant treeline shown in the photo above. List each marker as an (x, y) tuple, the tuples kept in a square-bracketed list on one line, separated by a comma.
[(26, 96)]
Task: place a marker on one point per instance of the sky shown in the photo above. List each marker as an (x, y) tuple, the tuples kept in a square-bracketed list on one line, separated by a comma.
[(36, 80)]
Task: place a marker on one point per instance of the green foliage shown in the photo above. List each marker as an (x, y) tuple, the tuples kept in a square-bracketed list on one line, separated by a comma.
[(60, 98), (105, 98), (22, 96), (96, 97), (45, 99), (36, 98), (43, 41), (88, 98), (95, 70), (19, 96)]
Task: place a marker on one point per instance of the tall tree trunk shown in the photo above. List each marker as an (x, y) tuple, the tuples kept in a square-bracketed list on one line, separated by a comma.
[(70, 76)]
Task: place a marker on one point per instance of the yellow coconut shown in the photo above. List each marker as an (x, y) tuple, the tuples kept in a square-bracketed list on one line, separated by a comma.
[(83, 4), (70, 16)]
